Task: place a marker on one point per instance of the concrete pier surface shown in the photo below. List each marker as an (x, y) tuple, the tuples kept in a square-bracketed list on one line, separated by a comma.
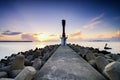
[(65, 64)]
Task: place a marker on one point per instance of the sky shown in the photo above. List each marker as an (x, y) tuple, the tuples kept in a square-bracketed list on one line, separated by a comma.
[(40, 20)]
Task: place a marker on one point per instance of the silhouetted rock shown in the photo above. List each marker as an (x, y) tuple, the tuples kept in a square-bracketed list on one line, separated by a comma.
[(28, 63), (6, 68), (36, 54), (29, 57), (104, 52), (3, 74), (112, 70), (14, 73)]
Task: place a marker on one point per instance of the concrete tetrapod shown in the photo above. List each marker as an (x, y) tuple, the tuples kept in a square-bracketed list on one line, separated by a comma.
[(26, 74), (112, 70)]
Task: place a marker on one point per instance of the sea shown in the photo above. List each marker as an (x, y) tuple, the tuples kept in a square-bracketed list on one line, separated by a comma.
[(8, 48)]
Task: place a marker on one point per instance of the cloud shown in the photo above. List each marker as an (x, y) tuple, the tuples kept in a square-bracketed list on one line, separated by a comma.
[(10, 33), (117, 34), (31, 37), (1, 35), (76, 35), (93, 22), (52, 35), (113, 36)]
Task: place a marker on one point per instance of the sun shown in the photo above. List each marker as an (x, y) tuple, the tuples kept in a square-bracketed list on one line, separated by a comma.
[(43, 37)]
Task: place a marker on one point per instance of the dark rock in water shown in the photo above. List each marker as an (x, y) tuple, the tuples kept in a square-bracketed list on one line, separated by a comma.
[(3, 75), (104, 52), (112, 70), (101, 62), (18, 63), (37, 63), (14, 73)]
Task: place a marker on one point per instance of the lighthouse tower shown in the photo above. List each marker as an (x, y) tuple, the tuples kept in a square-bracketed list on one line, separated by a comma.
[(63, 38)]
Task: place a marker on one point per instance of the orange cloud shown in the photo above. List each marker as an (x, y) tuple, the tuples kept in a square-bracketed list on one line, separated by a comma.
[(117, 34), (76, 35), (31, 37), (109, 35)]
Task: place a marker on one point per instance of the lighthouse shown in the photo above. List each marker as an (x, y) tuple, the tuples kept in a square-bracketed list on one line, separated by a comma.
[(63, 38)]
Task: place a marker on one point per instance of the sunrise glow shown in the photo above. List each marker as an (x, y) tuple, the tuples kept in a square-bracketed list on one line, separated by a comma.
[(43, 37), (40, 20)]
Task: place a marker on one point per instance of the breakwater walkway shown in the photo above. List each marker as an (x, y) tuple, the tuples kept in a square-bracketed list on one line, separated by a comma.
[(65, 64)]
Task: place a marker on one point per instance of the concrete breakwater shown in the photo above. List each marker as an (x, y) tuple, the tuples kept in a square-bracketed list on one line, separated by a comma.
[(31, 62)]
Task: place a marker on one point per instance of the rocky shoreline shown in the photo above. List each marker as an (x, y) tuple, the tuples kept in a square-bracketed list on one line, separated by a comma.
[(13, 65), (26, 64)]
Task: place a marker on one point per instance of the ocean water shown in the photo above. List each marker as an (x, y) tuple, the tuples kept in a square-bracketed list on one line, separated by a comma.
[(8, 48)]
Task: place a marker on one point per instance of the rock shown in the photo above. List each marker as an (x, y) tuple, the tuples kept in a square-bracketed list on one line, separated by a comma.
[(36, 54), (37, 64), (4, 61), (6, 69), (26, 74), (101, 62), (107, 56), (115, 57), (14, 73), (83, 52), (90, 56), (29, 57), (18, 63), (3, 74), (104, 52), (2, 65), (92, 63), (110, 60), (28, 63), (118, 60), (112, 70), (101, 54)]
